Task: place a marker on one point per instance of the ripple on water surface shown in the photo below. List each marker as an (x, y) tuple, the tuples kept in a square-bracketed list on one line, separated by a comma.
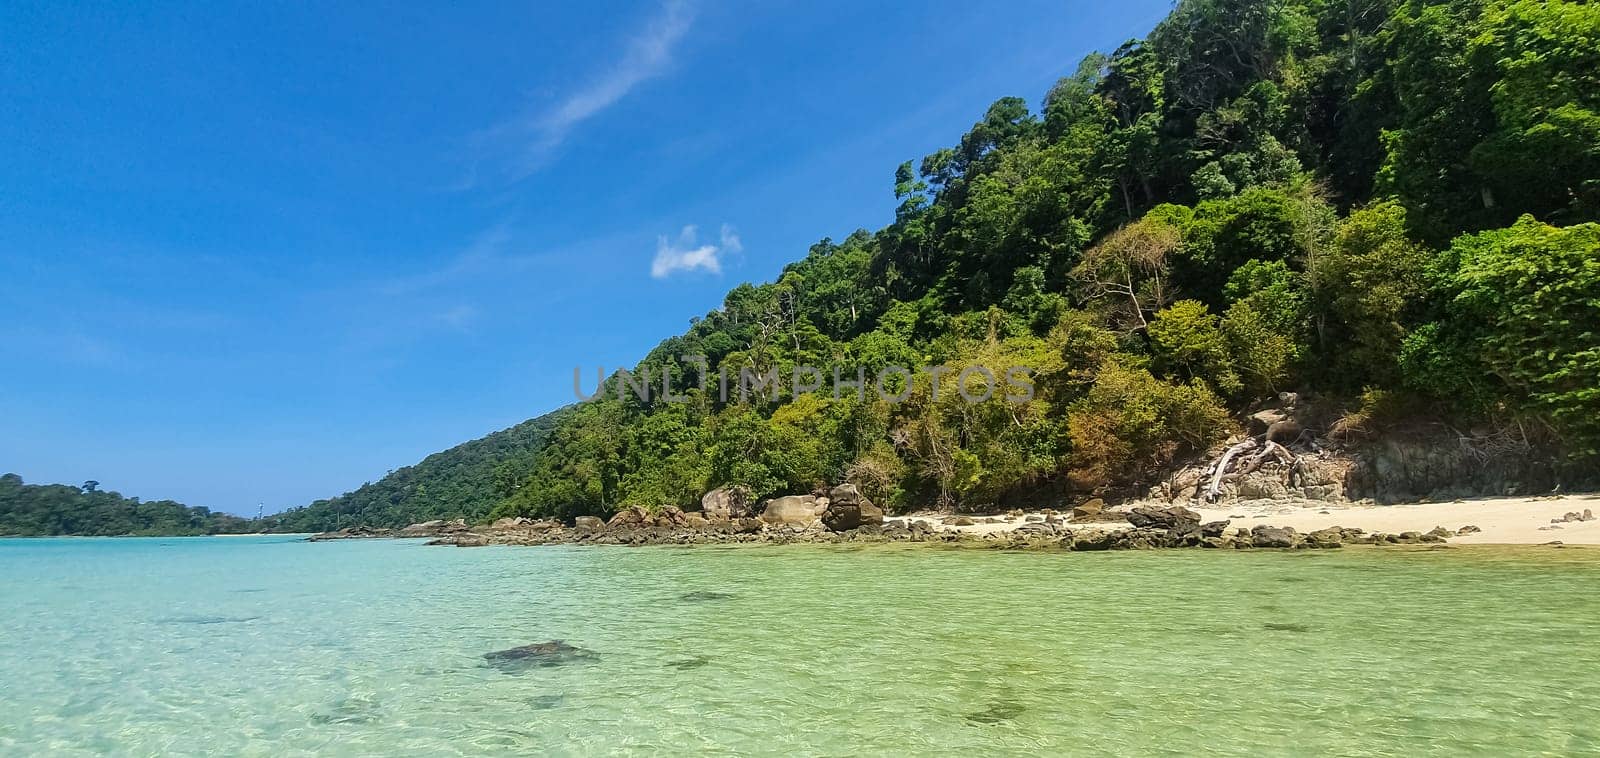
[(276, 647)]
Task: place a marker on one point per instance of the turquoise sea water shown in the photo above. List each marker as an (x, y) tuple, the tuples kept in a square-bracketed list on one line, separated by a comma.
[(270, 646)]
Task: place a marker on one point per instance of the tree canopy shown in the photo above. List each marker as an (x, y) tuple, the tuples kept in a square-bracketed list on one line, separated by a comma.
[(1257, 196), (42, 510)]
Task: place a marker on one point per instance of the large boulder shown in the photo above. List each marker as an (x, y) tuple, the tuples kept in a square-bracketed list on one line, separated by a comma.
[(1285, 432), (671, 515), (1089, 510), (632, 515), (1274, 536), (589, 523), (434, 528), (1174, 517), (725, 503), (848, 509), (790, 509), (522, 523), (845, 494), (1260, 421), (423, 529)]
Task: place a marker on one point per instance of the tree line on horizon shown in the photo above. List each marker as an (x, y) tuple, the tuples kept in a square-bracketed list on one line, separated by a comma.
[(45, 510)]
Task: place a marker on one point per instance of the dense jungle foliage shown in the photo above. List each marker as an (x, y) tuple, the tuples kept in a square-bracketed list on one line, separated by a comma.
[(41, 510), (1389, 197)]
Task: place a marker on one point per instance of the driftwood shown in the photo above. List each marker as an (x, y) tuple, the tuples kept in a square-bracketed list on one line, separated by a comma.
[(1247, 464), (1213, 491)]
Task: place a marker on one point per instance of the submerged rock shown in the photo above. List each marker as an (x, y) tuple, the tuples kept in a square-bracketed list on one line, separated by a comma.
[(358, 709), (999, 710), (700, 596), (539, 655), (1272, 626), (207, 620)]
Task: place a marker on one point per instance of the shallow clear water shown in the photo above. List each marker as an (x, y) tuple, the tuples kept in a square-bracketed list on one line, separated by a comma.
[(269, 646)]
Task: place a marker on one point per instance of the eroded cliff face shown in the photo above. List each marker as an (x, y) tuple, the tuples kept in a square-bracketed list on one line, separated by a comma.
[(1322, 458), (1418, 465)]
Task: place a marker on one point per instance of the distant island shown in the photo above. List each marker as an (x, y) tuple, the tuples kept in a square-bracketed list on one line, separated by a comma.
[(46, 510)]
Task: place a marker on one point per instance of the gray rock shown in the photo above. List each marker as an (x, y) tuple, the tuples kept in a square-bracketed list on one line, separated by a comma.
[(1285, 432), (1090, 509), (1264, 535), (1260, 421), (845, 494), (1172, 517), (726, 503), (790, 509)]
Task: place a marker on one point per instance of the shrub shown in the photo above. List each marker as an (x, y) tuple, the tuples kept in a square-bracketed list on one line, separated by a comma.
[(1131, 422)]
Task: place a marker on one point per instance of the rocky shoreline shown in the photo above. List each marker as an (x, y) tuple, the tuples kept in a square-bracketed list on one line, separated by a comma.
[(844, 516)]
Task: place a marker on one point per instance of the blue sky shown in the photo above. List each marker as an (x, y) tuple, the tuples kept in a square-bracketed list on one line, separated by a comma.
[(267, 252)]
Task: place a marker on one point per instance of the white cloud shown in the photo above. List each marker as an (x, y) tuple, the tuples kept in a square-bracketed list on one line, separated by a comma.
[(687, 255), (647, 55)]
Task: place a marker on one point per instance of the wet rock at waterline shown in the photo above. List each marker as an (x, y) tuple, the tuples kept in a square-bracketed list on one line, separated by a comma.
[(539, 655), (1173, 517), (1273, 536)]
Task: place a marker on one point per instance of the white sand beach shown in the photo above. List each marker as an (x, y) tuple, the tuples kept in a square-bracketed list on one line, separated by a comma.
[(1502, 520)]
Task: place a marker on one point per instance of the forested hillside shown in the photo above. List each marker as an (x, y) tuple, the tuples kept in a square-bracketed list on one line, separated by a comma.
[(457, 483), (39, 510), (1371, 198)]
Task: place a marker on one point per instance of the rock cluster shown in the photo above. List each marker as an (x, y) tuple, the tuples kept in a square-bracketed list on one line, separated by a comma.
[(354, 533), (843, 514)]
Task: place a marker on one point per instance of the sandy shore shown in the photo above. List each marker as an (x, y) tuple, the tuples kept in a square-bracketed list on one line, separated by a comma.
[(1503, 520)]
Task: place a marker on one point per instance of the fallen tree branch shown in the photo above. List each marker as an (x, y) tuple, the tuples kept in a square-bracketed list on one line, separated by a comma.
[(1214, 491)]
